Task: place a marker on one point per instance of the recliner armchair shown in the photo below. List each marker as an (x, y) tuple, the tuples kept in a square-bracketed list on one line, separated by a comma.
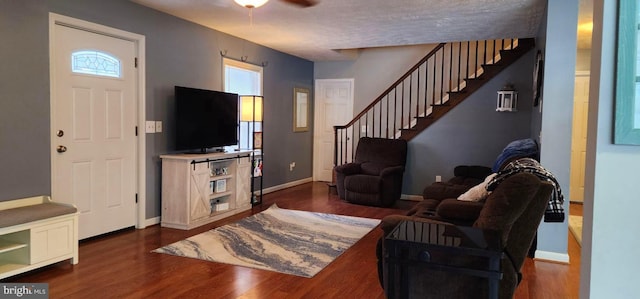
[(515, 209), (375, 176)]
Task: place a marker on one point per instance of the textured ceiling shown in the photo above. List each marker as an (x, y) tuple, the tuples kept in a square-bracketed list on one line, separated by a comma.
[(332, 29)]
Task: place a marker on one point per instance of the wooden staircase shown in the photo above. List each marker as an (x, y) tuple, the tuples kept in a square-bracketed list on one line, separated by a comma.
[(440, 81), (507, 57)]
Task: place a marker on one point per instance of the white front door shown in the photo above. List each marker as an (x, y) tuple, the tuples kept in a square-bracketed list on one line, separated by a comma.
[(93, 127), (333, 107)]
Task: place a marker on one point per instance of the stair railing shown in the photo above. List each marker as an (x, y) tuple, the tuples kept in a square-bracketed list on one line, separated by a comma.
[(445, 69)]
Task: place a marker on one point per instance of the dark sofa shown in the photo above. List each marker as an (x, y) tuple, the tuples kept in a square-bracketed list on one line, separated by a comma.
[(440, 198), (464, 178)]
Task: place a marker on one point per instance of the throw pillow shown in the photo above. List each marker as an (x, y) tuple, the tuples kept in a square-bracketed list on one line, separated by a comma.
[(478, 192)]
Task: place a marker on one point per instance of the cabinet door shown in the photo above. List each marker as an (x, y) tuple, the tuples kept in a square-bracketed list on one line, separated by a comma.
[(200, 191), (51, 241), (243, 182)]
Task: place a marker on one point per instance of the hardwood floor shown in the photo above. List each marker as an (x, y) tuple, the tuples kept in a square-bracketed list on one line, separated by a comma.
[(121, 265)]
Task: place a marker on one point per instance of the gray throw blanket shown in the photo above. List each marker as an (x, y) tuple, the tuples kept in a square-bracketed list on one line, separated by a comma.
[(555, 211)]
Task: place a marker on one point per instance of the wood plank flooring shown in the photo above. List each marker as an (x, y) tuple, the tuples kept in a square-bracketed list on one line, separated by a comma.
[(121, 265)]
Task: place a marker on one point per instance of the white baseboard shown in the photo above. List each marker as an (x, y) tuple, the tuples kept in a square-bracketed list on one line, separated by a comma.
[(152, 221), (552, 256), (287, 185), (411, 197)]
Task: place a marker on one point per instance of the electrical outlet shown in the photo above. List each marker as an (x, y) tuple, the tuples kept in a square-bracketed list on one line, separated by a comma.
[(292, 165), (158, 126), (150, 126), (438, 178)]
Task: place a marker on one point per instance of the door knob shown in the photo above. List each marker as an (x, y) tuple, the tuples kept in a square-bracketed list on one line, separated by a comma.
[(61, 149)]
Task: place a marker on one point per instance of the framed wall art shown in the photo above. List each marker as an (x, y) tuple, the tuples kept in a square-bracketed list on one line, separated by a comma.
[(300, 110), (627, 97), (538, 71)]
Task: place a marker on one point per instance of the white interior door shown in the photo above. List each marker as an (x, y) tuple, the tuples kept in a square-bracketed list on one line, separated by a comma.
[(579, 136), (333, 106), (93, 128)]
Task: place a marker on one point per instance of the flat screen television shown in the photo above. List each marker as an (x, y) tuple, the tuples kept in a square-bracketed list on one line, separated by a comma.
[(205, 119)]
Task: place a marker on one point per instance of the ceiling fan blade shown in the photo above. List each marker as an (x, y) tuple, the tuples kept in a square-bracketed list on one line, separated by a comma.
[(303, 3)]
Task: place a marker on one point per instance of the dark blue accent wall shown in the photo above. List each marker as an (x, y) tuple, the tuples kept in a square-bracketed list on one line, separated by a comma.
[(178, 52), (473, 133)]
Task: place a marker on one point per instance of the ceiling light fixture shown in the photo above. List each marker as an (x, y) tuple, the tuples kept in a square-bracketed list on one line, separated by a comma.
[(251, 3)]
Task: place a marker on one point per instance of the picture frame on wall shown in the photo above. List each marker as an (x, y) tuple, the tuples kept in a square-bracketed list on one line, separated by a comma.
[(257, 140), (627, 96), (538, 71), (301, 102)]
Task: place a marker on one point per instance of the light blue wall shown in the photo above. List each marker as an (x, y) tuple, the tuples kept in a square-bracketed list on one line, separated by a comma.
[(557, 104), (610, 260)]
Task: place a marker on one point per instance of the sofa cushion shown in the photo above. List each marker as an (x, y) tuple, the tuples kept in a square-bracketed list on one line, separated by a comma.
[(372, 168), (361, 183), (453, 209), (424, 208), (20, 215), (382, 150), (442, 190), (467, 182), (478, 192), (472, 171)]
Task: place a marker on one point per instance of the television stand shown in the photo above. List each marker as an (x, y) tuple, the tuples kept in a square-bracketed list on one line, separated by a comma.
[(198, 189)]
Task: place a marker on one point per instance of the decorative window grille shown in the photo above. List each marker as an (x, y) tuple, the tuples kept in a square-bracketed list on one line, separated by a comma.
[(95, 63)]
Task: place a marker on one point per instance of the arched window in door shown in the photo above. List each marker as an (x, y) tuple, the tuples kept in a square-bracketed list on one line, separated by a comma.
[(95, 63)]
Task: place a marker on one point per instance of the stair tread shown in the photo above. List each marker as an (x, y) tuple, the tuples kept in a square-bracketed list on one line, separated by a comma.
[(489, 71)]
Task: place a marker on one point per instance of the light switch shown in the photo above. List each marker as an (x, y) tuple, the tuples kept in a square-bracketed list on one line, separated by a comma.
[(158, 126), (150, 126)]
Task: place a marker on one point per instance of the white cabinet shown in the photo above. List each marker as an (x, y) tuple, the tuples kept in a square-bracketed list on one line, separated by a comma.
[(37, 243), (201, 188), (52, 240)]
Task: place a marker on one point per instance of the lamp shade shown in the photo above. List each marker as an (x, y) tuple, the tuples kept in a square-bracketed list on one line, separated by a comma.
[(251, 3), (250, 108)]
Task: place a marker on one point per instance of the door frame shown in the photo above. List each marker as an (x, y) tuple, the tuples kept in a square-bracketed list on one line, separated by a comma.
[(316, 116), (140, 86)]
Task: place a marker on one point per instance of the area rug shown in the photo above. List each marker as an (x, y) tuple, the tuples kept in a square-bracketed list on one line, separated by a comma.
[(575, 226), (287, 241)]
